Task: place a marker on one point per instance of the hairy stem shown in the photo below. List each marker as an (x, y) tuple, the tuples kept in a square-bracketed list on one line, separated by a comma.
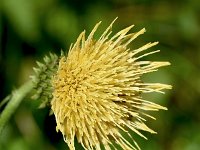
[(5, 100), (16, 97)]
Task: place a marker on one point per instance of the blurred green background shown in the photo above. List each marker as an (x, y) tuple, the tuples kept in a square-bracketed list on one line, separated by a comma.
[(29, 29)]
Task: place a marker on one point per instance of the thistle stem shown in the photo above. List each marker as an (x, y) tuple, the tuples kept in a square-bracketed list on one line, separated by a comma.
[(5, 100), (15, 99)]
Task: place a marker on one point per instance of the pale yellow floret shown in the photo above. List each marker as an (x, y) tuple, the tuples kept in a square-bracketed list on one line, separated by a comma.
[(97, 90)]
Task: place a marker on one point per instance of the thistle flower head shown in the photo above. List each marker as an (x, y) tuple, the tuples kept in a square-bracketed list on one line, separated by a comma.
[(98, 87)]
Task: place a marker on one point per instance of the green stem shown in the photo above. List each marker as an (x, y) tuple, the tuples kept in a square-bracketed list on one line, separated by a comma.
[(5, 100), (16, 98)]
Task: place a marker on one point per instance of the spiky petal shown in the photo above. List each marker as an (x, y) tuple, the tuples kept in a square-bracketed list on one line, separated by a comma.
[(97, 90)]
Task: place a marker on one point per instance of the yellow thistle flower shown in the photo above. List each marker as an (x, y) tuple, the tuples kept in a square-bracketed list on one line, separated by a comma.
[(98, 87)]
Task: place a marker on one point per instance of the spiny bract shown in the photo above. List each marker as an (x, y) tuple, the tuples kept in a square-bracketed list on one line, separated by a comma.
[(98, 87), (42, 79)]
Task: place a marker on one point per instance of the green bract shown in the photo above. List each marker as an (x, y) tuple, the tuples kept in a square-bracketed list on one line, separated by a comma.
[(44, 73)]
